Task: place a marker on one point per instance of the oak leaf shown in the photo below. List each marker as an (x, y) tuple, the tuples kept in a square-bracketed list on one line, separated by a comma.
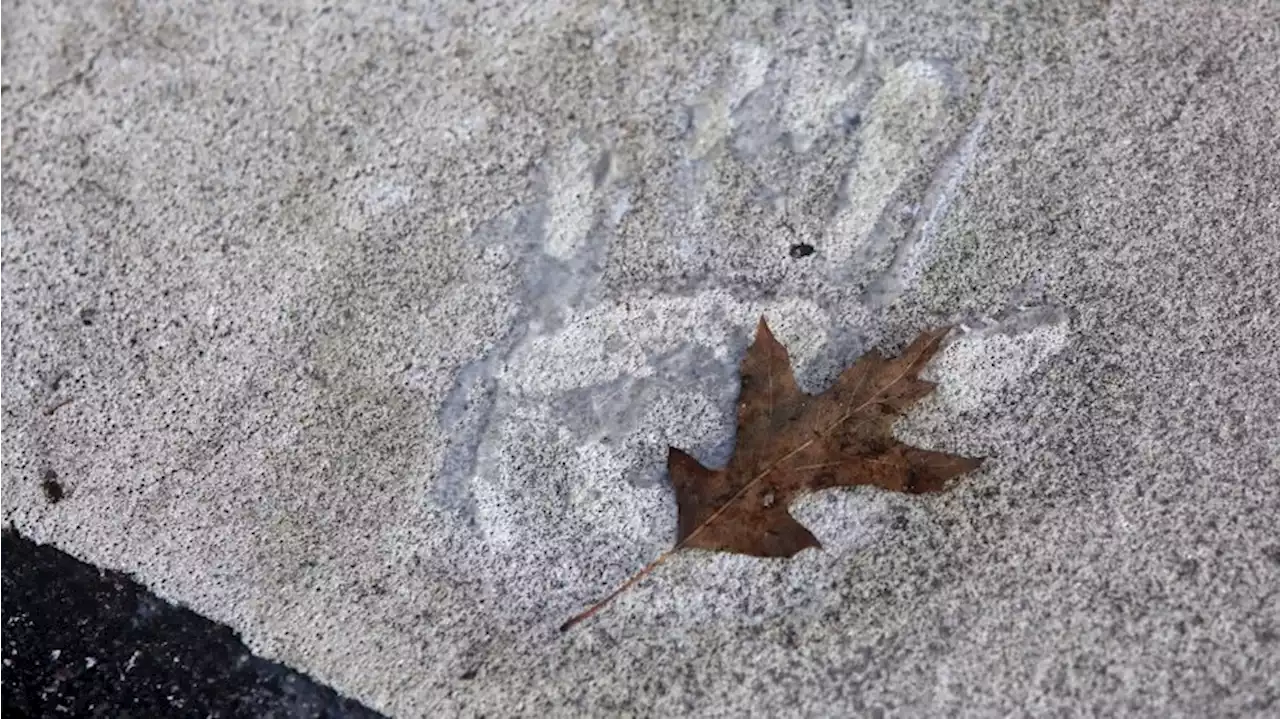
[(790, 443)]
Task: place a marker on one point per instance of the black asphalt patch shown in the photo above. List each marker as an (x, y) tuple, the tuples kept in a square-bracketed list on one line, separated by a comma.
[(82, 641)]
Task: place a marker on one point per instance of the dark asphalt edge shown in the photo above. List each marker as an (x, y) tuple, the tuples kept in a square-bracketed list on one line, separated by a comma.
[(83, 641)]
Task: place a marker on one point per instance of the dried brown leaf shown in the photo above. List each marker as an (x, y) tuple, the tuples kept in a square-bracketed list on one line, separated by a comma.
[(790, 443)]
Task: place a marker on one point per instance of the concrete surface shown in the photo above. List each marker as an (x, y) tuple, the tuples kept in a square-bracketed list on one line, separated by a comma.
[(363, 329)]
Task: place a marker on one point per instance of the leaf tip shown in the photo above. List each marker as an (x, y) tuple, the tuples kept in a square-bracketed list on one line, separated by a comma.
[(762, 328), (927, 344), (964, 465), (938, 334)]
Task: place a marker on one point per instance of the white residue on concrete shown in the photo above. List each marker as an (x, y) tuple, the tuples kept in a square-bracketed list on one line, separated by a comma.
[(977, 366), (903, 118)]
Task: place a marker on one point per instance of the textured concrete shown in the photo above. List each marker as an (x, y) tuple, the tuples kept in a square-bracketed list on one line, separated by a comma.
[(364, 330)]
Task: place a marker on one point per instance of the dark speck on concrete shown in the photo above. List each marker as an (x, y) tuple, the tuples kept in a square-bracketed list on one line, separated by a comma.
[(801, 249), (53, 490)]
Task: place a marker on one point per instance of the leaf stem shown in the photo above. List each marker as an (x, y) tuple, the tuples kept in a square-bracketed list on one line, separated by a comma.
[(586, 613)]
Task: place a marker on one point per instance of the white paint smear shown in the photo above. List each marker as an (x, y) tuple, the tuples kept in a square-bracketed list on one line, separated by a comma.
[(975, 368)]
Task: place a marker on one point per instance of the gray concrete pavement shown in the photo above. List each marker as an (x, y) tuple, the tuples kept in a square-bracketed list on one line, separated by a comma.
[(364, 331)]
